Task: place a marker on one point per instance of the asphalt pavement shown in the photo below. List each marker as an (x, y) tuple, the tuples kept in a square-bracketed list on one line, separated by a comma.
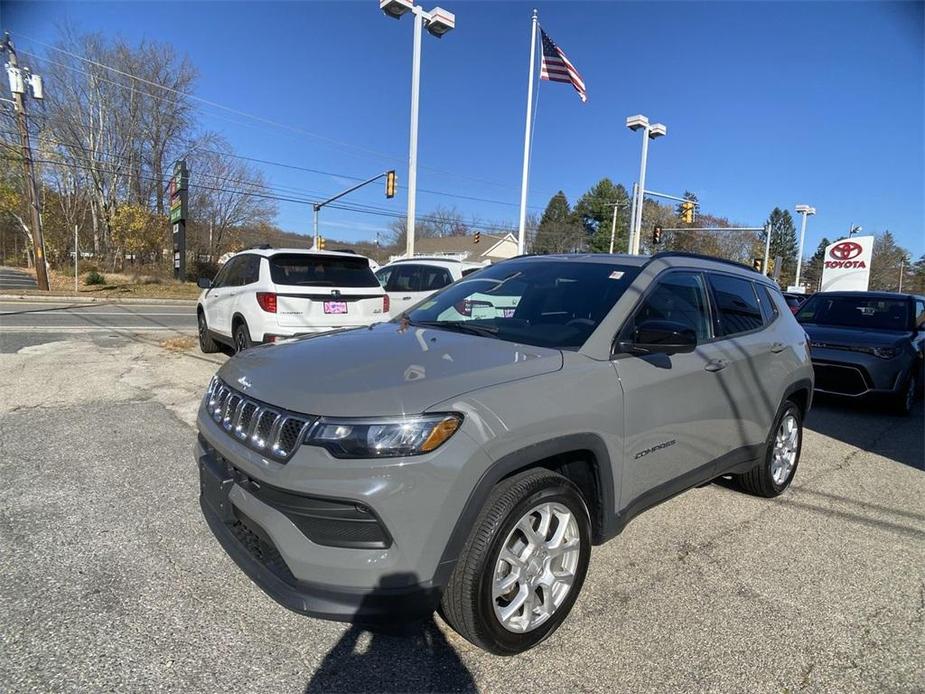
[(111, 580), (15, 278), (21, 317)]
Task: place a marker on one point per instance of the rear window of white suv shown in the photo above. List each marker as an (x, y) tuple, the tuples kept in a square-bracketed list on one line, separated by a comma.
[(305, 270)]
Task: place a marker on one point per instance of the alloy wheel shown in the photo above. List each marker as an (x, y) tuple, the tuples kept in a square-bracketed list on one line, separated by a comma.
[(786, 444), (536, 567)]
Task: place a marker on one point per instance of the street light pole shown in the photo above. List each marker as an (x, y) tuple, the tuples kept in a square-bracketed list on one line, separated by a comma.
[(649, 132), (806, 211), (613, 225), (413, 141), (438, 22)]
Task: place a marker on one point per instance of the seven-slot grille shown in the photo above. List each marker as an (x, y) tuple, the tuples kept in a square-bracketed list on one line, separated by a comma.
[(268, 430)]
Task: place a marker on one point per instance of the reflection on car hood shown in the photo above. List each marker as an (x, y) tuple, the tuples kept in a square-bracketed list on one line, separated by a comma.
[(381, 370), (853, 337)]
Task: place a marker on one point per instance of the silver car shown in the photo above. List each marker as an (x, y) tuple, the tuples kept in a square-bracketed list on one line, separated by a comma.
[(468, 463)]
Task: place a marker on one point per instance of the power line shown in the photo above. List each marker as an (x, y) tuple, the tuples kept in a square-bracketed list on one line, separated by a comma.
[(238, 112)]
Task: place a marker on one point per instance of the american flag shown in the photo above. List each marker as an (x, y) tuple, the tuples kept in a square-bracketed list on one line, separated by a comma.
[(557, 68)]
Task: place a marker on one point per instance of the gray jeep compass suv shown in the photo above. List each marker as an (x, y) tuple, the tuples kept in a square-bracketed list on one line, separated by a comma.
[(467, 455)]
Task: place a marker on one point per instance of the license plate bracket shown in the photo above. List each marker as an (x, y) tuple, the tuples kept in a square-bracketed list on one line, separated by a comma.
[(215, 484), (335, 307)]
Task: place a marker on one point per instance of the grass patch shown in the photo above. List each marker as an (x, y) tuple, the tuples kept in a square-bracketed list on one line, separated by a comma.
[(115, 286)]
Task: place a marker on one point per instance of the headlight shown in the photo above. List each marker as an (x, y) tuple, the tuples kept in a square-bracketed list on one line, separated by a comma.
[(884, 352), (388, 437)]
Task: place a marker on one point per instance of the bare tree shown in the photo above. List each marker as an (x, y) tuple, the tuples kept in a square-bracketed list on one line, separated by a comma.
[(226, 192)]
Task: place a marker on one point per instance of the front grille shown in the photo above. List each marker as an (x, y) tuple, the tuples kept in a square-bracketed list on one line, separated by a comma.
[(265, 429), (840, 379)]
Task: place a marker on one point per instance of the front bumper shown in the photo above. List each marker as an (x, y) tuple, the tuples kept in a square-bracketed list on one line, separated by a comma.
[(851, 374), (254, 551)]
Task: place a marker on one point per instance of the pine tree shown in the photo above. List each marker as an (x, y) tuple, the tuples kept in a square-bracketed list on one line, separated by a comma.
[(558, 232), (814, 267), (783, 243), (594, 211), (678, 210), (888, 257)]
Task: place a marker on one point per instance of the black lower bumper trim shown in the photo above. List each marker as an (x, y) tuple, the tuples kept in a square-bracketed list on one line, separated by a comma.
[(377, 605)]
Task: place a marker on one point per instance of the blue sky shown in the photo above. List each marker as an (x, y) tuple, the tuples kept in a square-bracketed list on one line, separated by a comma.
[(767, 104)]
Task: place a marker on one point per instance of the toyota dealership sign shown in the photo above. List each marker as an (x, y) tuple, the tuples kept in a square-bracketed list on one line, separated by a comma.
[(847, 264)]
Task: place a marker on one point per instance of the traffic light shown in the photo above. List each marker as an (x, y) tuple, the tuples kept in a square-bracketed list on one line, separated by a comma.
[(758, 265), (390, 182), (478, 236), (687, 212), (656, 234), (320, 243)]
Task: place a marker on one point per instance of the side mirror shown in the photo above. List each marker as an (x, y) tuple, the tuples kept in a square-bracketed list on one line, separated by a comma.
[(204, 283), (660, 337)]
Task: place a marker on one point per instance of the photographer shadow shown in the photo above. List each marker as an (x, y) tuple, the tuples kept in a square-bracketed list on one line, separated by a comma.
[(391, 657)]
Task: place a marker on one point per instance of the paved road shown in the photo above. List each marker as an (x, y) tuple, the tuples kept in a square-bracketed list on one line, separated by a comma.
[(111, 581), (19, 318), (14, 278)]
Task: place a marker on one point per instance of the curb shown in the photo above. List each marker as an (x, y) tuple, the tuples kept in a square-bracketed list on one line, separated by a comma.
[(71, 299)]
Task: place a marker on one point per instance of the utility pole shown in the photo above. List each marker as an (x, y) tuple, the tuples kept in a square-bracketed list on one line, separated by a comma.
[(17, 86)]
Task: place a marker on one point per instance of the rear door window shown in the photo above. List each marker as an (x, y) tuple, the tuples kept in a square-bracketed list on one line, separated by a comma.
[(306, 270), (737, 309), (768, 305), (406, 278)]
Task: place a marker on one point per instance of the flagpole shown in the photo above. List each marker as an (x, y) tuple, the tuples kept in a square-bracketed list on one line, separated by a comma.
[(526, 171)]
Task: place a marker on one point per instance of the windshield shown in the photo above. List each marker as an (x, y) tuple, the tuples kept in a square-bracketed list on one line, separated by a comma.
[(304, 270), (856, 312), (544, 303)]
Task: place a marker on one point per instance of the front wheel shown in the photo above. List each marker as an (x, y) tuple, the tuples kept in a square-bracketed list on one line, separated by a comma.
[(523, 565), (206, 343), (782, 454), (904, 402)]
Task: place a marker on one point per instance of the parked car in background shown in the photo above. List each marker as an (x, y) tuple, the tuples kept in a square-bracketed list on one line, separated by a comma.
[(264, 294), (794, 301), (410, 280), (867, 343), (470, 463)]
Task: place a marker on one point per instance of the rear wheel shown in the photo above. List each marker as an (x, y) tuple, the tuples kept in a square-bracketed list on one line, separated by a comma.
[(782, 454), (523, 565), (206, 343), (242, 337)]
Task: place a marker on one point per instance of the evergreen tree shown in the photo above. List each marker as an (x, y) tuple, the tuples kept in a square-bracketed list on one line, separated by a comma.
[(783, 243), (594, 211), (916, 276), (814, 266), (888, 258), (557, 232), (678, 210)]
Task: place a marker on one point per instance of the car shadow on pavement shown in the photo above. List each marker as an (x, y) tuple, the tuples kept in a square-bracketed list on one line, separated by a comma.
[(392, 658), (856, 423)]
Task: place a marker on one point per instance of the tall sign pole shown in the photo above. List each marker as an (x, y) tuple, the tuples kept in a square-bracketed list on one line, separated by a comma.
[(179, 197)]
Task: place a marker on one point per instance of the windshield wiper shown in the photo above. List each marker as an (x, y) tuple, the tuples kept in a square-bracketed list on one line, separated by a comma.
[(460, 326)]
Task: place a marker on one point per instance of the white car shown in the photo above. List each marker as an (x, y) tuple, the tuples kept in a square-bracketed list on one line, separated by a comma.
[(410, 280), (266, 294)]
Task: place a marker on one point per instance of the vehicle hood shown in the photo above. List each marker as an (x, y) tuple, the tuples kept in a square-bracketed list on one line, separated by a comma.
[(854, 337), (381, 370)]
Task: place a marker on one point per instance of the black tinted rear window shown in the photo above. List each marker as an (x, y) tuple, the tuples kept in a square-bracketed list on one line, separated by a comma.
[(736, 305), (300, 269)]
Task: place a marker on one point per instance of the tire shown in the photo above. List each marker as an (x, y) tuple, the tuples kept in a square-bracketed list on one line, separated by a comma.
[(468, 603), (903, 403), (206, 344), (767, 479), (242, 337)]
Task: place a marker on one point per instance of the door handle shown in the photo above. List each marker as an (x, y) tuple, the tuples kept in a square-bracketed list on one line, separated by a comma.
[(716, 365), (406, 298), (778, 347)]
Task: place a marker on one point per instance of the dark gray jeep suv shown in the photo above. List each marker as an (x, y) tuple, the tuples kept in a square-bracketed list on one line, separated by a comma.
[(467, 455)]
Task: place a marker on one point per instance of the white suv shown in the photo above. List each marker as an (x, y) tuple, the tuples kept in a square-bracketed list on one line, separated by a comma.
[(262, 295), (410, 280)]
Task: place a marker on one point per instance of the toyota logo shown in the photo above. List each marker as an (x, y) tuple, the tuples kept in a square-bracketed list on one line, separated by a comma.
[(846, 250)]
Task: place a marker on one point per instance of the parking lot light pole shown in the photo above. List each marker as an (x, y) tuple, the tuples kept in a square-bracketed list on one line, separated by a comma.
[(650, 132), (437, 22), (806, 211)]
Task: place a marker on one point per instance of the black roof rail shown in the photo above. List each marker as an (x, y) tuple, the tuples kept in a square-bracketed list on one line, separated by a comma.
[(701, 256)]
